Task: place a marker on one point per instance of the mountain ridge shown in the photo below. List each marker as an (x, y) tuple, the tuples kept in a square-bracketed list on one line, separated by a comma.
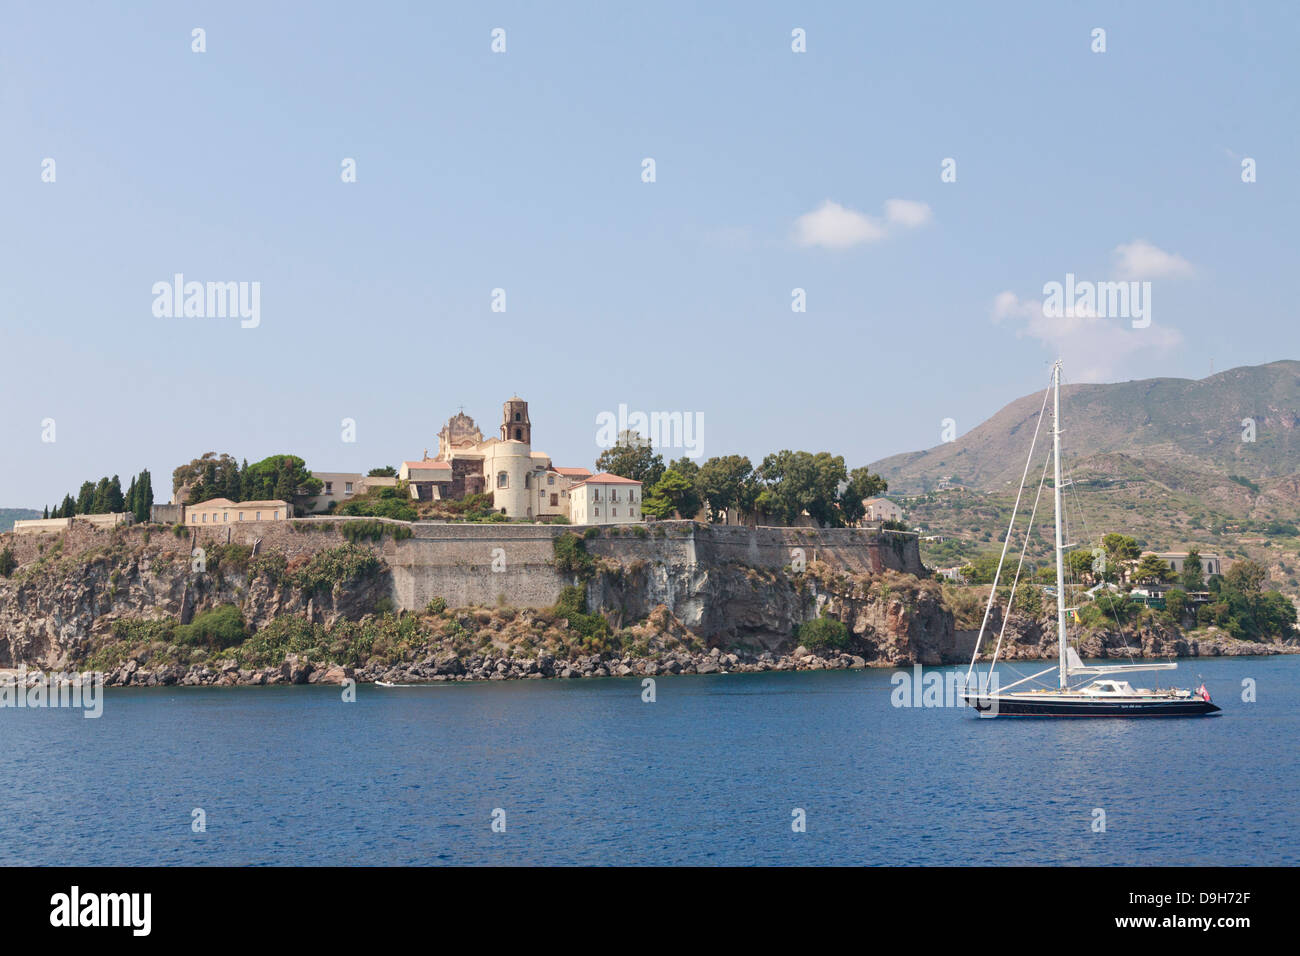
[(1196, 425)]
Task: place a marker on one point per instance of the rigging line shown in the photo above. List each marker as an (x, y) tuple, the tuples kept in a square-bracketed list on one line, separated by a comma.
[(1110, 598), (1006, 617), (988, 608)]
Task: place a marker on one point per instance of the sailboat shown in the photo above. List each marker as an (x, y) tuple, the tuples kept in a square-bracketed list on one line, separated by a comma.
[(1105, 695)]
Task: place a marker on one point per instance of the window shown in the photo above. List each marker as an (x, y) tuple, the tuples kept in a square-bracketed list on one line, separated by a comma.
[(614, 513), (631, 512), (518, 417), (519, 434), (205, 517), (241, 516), (347, 487), (550, 479), (194, 519), (329, 487), (555, 500), (596, 511), (225, 516), (259, 516), (503, 479)]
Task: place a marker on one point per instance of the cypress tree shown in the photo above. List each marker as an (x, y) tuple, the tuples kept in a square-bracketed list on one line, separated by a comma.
[(99, 499), (144, 497), (85, 499), (47, 512)]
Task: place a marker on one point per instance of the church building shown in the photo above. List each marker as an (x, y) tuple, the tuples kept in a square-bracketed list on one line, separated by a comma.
[(523, 483)]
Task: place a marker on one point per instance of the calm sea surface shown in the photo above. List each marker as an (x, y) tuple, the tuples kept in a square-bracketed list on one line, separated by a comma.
[(708, 774)]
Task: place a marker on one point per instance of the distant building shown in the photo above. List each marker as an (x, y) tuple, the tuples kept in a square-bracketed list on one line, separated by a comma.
[(952, 574), (1210, 563), (167, 514), (523, 483), (605, 499), (336, 488), (882, 509), (428, 480), (55, 525), (224, 511)]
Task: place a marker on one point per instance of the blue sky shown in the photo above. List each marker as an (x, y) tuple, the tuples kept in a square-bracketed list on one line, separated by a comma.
[(522, 171)]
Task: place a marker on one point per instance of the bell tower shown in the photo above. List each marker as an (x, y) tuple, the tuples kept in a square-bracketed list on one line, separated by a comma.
[(514, 421)]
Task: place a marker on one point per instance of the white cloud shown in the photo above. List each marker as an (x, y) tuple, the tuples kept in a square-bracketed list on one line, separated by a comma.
[(907, 212), (1094, 349), (833, 226), (836, 227), (1139, 259)]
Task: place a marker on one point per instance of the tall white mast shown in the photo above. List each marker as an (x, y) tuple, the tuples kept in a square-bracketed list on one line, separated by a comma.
[(1060, 547)]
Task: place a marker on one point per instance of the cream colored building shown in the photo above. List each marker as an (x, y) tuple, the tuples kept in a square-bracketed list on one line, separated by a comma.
[(522, 482), (337, 487), (605, 499), (882, 509), (1210, 563), (54, 525), (224, 511)]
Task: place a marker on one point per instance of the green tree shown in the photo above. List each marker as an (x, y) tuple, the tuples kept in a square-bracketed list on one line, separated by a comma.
[(1121, 547), (280, 477), (85, 498), (1175, 605), (1153, 569), (99, 501), (823, 634), (674, 492), (862, 485), (1192, 577), (726, 483), (7, 562), (794, 482), (114, 501), (981, 568), (207, 476), (387, 471), (143, 507), (632, 458)]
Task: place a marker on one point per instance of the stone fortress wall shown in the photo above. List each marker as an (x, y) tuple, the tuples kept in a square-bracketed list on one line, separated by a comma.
[(511, 564)]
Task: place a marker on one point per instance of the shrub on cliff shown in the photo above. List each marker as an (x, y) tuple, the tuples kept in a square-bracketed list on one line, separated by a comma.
[(216, 629), (824, 633), (571, 556), (327, 568), (7, 562), (381, 503), (374, 530)]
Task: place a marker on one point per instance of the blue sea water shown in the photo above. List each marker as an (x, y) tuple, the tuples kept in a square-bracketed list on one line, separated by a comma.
[(710, 773)]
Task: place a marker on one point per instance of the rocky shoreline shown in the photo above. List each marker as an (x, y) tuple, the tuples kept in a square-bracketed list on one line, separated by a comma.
[(449, 667)]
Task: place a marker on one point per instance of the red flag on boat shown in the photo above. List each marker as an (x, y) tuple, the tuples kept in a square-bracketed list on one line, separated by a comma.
[(1203, 692)]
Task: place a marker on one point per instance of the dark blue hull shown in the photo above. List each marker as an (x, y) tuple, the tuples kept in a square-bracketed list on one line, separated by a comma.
[(1021, 707)]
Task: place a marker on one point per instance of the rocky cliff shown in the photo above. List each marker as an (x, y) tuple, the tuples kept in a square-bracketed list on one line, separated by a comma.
[(138, 602)]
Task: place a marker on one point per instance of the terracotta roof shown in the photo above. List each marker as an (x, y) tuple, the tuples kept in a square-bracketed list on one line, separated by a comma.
[(428, 464), (605, 478), (572, 471), (227, 503)]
